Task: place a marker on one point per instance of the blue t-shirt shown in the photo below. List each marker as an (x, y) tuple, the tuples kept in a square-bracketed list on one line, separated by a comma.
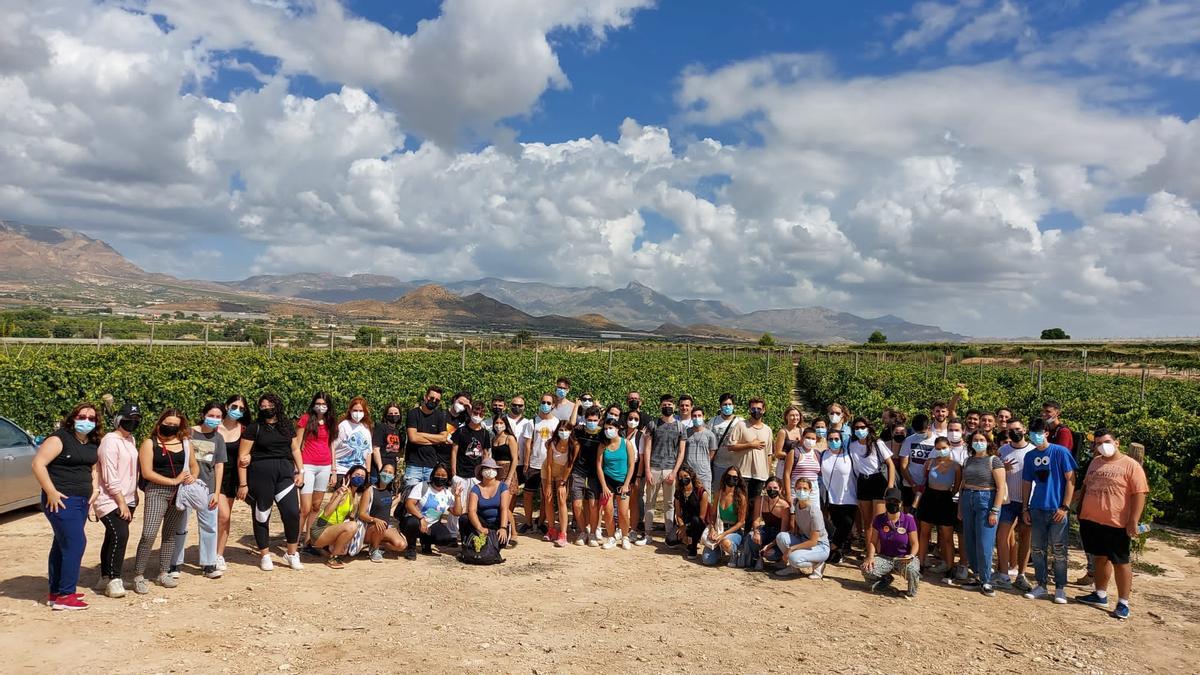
[(1047, 470)]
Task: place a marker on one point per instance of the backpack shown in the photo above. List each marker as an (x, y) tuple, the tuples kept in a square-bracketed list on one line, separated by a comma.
[(482, 549)]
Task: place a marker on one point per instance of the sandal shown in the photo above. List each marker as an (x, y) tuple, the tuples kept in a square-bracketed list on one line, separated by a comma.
[(335, 562)]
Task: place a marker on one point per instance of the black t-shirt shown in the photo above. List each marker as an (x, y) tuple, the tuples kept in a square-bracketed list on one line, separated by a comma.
[(71, 471), (471, 444), (589, 445), (389, 438), (426, 456), (269, 441)]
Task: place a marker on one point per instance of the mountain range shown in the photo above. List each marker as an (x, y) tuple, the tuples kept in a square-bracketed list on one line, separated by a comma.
[(42, 264)]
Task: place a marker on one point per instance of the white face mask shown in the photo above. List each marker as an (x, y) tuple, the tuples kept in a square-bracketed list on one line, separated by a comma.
[(488, 474), (498, 428), (835, 417), (457, 408), (633, 424), (954, 436), (810, 443), (1107, 449), (476, 419), (320, 408), (564, 435), (357, 415)]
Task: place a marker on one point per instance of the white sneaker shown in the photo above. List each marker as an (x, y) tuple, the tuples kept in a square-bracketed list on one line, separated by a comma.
[(1060, 596), (1037, 593), (609, 544), (266, 564), (642, 541), (818, 572), (221, 563), (582, 540), (593, 542), (625, 543), (292, 560), (115, 588)]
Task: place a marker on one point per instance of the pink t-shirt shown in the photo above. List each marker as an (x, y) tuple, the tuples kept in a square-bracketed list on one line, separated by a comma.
[(316, 448)]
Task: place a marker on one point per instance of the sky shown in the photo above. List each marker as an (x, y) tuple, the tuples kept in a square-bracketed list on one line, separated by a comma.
[(993, 167)]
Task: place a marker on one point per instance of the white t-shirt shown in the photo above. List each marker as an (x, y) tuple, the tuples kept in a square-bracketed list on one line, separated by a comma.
[(837, 477), (1013, 477), (434, 503), (870, 464), (960, 454), (353, 445), (541, 431), (521, 428), (563, 410), (918, 448)]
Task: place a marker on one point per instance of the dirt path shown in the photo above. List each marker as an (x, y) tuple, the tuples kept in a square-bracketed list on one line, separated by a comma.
[(570, 610)]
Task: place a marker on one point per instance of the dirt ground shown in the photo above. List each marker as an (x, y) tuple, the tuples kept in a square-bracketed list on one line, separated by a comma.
[(549, 610)]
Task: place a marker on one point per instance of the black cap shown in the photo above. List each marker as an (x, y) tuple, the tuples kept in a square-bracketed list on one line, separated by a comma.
[(893, 495), (130, 410)]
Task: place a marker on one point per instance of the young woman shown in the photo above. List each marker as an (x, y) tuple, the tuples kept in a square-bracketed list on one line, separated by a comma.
[(935, 505), (424, 512), (231, 431), (316, 432), (874, 468), (118, 498), (166, 461), (984, 491), (270, 472), (633, 439), (559, 471), (841, 493), (771, 512), (487, 506), (208, 448), (691, 508), (804, 461), (65, 467), (614, 465), (787, 439), (375, 509), (504, 452), (805, 545), (839, 418), (891, 543), (726, 520), (820, 426), (387, 439), (338, 523), (352, 447)]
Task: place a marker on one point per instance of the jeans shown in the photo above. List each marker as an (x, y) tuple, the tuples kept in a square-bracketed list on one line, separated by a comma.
[(804, 556), (979, 537), (1047, 533), (654, 488), (66, 552), (207, 518), (414, 475), (712, 556)]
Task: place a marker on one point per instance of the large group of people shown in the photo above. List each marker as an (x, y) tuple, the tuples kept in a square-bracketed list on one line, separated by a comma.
[(972, 500)]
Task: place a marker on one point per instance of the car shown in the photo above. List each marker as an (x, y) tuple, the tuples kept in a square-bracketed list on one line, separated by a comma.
[(18, 487)]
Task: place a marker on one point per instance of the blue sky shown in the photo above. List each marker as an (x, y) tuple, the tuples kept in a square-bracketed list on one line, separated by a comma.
[(878, 157)]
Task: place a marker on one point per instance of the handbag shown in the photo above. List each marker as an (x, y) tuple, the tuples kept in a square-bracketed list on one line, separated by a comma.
[(356, 542), (482, 549)]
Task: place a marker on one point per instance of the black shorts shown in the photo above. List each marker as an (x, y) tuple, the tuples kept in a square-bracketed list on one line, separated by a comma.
[(754, 488), (229, 480), (614, 486), (907, 495), (937, 507), (533, 480), (872, 487), (1105, 540)]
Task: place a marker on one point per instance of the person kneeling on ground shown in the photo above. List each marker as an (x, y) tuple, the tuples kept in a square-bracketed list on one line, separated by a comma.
[(375, 510), (336, 525), (424, 509), (487, 509), (891, 544), (771, 513), (728, 517), (691, 509), (806, 545)]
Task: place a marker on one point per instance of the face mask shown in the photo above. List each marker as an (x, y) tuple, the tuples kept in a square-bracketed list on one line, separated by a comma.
[(320, 409), (731, 481), (943, 452), (212, 422), (772, 493), (610, 432), (166, 430), (497, 410), (667, 410), (632, 424), (87, 426), (357, 415), (756, 413), (893, 507), (386, 478), (954, 436), (585, 403), (1014, 435), (835, 444), (131, 424), (727, 409), (544, 408), (685, 481), (439, 481), (476, 419), (432, 403), (564, 435), (235, 413), (1107, 449), (633, 404), (560, 392), (697, 422), (518, 410), (488, 474), (822, 432), (979, 446), (810, 443), (499, 428), (591, 426), (393, 418), (357, 482), (835, 418), (860, 434), (802, 495), (456, 408), (1037, 437), (266, 414), (611, 417)]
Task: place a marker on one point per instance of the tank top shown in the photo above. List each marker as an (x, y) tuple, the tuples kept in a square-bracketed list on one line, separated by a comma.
[(559, 458), (500, 449), (342, 512), (789, 448), (941, 480), (167, 462), (727, 513), (806, 464), (772, 521), (381, 503), (691, 503), (616, 462), (71, 471)]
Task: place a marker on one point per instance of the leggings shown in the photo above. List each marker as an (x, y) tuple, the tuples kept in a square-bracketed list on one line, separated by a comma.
[(160, 515), (438, 533), (272, 481), (116, 538), (841, 521), (694, 527)]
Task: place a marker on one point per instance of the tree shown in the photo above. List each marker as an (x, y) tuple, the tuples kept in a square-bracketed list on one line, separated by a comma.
[(1055, 334), (62, 330), (877, 338), (522, 337), (368, 335), (766, 340)]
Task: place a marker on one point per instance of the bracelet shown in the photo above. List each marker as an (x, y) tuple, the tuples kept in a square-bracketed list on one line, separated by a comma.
[(242, 486), (994, 510)]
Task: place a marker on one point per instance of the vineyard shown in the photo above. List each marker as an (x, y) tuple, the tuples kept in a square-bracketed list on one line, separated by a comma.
[(38, 386), (1166, 419)]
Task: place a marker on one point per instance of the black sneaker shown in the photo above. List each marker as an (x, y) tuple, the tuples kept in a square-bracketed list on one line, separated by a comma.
[(987, 590), (523, 528), (311, 550), (972, 584), (672, 542), (835, 558), (410, 554), (882, 584)]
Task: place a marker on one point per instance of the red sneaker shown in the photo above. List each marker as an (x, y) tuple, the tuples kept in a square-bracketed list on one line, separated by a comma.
[(50, 599), (73, 601), (551, 535)]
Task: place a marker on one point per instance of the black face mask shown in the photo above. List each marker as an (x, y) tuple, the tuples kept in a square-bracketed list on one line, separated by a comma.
[(497, 411), (166, 430), (130, 424), (633, 403), (439, 481), (772, 493), (393, 418), (731, 481), (266, 415), (756, 413), (685, 481), (518, 410), (433, 403), (667, 410), (1014, 435), (893, 507)]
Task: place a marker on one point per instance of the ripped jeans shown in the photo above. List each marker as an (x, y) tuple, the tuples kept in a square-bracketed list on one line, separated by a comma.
[(1048, 534)]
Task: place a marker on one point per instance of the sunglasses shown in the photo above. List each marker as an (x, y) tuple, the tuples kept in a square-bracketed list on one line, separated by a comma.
[(548, 402), (88, 418), (237, 406)]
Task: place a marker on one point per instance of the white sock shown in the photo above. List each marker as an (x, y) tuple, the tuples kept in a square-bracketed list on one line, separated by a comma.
[(1123, 601), (1101, 594)]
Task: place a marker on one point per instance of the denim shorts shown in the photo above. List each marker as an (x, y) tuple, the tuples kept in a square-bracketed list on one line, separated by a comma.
[(1011, 511)]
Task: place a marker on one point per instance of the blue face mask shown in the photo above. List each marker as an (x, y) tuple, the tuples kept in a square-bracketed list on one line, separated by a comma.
[(386, 478), (860, 434), (591, 426), (560, 392), (727, 410), (1037, 437), (235, 413), (803, 495), (84, 426), (979, 446), (943, 452), (822, 432), (697, 421), (835, 444), (357, 482), (212, 422), (544, 408)]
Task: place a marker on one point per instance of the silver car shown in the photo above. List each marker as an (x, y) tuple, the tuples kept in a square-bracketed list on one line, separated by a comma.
[(18, 487)]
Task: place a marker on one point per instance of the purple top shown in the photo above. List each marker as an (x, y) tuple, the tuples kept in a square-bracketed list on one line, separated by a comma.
[(893, 539)]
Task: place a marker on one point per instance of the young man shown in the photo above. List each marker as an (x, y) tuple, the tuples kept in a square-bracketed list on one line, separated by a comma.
[(564, 408), (496, 409), (1112, 497), (469, 444), (664, 455), (722, 426), (426, 428), (940, 414), (585, 482), (971, 423), (700, 444), (752, 444), (686, 403), (1012, 536), (532, 458), (1047, 487), (914, 452)]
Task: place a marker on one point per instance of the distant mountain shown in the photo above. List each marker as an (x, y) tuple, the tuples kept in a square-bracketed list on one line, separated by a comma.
[(327, 287), (33, 252), (818, 324)]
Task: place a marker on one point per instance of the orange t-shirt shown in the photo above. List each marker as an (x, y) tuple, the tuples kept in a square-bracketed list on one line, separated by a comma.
[(1108, 490)]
